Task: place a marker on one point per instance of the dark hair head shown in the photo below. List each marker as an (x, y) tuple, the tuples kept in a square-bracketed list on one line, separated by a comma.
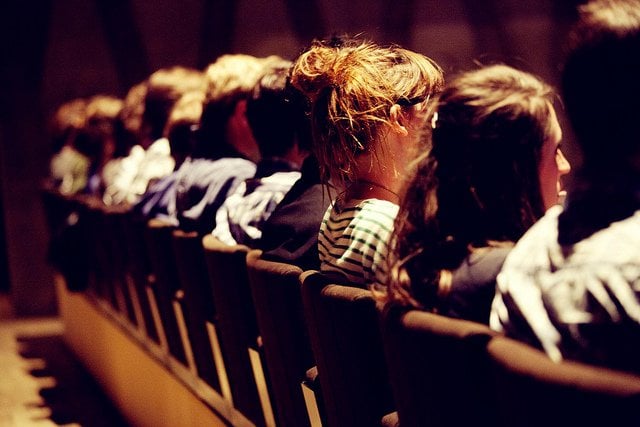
[(600, 83), (601, 91), (276, 114), (67, 120), (96, 138), (480, 182), (182, 125), (165, 87), (230, 79), (129, 124)]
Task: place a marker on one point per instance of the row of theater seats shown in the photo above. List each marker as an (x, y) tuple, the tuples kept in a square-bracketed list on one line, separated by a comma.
[(291, 348)]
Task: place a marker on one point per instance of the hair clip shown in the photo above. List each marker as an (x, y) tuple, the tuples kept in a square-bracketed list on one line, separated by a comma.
[(434, 120)]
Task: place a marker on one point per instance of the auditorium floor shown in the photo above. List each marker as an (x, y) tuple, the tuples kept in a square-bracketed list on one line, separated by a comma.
[(41, 383)]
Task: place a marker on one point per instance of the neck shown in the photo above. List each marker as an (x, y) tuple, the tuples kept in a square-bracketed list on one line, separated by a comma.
[(380, 175), (370, 189)]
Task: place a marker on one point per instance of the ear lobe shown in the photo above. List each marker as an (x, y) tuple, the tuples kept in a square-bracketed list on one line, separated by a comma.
[(397, 120)]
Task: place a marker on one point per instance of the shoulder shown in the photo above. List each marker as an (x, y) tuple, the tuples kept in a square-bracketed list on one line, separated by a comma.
[(160, 147), (282, 178), (220, 169), (537, 243), (484, 264), (619, 242), (375, 211), (364, 214)]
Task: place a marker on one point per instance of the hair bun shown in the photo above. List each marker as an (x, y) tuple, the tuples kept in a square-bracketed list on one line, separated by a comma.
[(316, 70)]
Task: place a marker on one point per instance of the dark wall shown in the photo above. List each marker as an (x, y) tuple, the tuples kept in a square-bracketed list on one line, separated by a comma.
[(54, 51), (25, 28)]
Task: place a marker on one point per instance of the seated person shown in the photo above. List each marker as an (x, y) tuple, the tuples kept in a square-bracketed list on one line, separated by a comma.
[(368, 103), (90, 144), (272, 118), (151, 158), (220, 151), (290, 234), (571, 284), (159, 201), (493, 170), (68, 168), (102, 115), (121, 168)]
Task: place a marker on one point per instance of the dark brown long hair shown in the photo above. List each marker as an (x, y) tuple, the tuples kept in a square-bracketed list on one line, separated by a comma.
[(479, 183)]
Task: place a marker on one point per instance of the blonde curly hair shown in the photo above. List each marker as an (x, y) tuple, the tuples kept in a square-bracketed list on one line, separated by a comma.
[(352, 86)]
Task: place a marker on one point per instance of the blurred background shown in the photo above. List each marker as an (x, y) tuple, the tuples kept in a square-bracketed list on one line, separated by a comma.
[(57, 50)]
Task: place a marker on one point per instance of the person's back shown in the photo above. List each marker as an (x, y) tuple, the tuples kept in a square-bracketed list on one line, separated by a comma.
[(68, 168), (272, 113), (570, 286), (290, 234), (225, 151)]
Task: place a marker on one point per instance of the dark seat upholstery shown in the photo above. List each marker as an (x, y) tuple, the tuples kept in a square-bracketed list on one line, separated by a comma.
[(158, 239), (275, 287), (138, 273), (98, 265), (438, 368), (199, 309), (345, 337), (238, 328), (114, 240), (68, 245), (533, 390)]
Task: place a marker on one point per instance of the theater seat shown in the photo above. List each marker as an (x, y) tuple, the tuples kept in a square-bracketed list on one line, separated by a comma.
[(275, 287), (345, 337), (199, 309), (166, 288), (534, 391), (438, 368), (238, 329)]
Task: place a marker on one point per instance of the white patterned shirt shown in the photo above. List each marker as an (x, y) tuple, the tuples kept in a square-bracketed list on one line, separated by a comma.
[(242, 215), (581, 302), (127, 179)]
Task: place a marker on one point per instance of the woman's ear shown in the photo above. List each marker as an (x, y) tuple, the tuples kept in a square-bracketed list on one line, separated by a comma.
[(397, 120)]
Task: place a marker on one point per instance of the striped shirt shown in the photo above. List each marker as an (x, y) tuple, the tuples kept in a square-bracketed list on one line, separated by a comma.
[(353, 240)]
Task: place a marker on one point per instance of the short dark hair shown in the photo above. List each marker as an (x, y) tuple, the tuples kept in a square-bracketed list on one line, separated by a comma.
[(600, 82), (274, 113), (165, 87), (230, 79)]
